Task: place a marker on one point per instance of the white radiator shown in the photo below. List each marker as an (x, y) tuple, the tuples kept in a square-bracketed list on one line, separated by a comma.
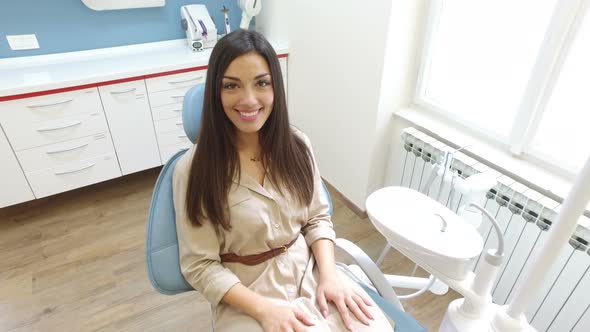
[(525, 216)]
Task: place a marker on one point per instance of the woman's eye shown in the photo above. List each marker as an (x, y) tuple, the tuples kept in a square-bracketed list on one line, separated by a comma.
[(230, 86), (263, 83)]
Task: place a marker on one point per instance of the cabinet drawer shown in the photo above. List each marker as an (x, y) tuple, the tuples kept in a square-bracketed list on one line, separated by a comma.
[(176, 137), (53, 131), (50, 107), (50, 156), (174, 96), (74, 175), (167, 111), (168, 151), (168, 82), (167, 125)]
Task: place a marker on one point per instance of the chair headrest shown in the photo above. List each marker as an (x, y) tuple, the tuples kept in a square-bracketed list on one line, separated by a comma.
[(192, 107)]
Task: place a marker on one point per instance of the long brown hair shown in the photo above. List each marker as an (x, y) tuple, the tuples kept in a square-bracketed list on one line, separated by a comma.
[(215, 162)]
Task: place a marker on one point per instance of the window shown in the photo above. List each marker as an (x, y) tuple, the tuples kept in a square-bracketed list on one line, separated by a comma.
[(515, 71), (564, 131)]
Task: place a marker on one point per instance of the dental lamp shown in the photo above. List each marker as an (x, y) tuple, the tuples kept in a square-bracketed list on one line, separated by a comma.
[(250, 8), (445, 244)]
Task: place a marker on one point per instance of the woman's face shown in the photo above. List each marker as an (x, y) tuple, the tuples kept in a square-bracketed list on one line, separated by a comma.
[(246, 92)]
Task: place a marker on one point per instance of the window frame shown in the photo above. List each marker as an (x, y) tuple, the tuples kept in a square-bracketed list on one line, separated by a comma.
[(559, 36)]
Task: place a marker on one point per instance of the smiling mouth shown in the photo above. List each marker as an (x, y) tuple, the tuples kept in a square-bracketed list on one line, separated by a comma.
[(249, 115)]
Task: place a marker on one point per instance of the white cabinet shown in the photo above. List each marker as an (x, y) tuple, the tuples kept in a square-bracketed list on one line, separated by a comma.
[(61, 140), (38, 121), (166, 98), (13, 185), (130, 121)]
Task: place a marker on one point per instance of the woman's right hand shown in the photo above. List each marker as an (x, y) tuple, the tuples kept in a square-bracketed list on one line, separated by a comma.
[(284, 319)]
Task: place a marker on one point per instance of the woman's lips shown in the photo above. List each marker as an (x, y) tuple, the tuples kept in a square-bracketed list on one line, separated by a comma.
[(249, 115)]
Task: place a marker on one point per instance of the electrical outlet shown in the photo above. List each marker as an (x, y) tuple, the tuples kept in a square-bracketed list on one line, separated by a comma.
[(22, 42)]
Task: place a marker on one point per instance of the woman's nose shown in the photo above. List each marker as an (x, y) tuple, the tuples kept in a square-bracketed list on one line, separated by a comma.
[(248, 97)]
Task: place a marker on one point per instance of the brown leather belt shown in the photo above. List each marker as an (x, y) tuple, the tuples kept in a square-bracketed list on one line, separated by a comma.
[(256, 258)]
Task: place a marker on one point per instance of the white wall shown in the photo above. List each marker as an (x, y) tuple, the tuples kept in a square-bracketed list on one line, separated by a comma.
[(350, 65), (402, 55), (335, 65)]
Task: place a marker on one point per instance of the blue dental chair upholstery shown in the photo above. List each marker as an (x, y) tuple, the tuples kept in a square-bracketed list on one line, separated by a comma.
[(162, 244)]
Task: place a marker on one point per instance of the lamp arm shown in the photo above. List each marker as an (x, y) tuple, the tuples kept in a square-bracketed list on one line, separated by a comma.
[(496, 225), (573, 206)]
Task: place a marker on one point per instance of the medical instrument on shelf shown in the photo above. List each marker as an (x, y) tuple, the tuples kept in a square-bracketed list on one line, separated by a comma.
[(225, 11), (250, 8), (200, 30)]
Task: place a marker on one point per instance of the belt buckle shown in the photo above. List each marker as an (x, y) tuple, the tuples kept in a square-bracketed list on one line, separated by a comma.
[(283, 249)]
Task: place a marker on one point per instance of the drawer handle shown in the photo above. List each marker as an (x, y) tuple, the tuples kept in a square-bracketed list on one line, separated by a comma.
[(188, 80), (177, 110), (67, 149), (182, 135), (179, 123), (182, 96), (122, 92), (75, 170), (47, 105), (72, 124)]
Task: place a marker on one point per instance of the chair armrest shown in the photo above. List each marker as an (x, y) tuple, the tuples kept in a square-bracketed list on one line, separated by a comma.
[(371, 270), (403, 321)]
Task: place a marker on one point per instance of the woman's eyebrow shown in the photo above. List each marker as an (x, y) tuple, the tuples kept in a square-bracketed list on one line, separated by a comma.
[(237, 79), (232, 78)]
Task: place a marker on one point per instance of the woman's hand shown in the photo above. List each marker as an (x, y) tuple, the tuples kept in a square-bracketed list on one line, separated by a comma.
[(345, 298), (284, 319)]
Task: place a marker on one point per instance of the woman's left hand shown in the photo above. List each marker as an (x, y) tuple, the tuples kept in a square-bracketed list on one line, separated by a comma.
[(345, 298)]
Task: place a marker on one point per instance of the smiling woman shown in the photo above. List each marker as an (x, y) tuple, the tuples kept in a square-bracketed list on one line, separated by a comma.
[(254, 230)]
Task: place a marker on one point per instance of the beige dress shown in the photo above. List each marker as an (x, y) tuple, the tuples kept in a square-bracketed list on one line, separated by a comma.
[(261, 219)]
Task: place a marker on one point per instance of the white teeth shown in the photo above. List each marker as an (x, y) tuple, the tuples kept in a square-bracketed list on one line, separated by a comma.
[(249, 113)]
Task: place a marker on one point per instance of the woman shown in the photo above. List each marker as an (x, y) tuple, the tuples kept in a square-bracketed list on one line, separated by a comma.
[(250, 204)]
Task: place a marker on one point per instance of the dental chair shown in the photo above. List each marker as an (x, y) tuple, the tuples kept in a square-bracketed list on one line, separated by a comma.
[(162, 244)]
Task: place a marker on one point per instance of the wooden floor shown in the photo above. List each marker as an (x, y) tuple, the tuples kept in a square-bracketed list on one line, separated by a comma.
[(75, 262)]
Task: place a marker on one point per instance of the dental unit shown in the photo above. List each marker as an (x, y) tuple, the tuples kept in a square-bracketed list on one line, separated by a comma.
[(446, 243)]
